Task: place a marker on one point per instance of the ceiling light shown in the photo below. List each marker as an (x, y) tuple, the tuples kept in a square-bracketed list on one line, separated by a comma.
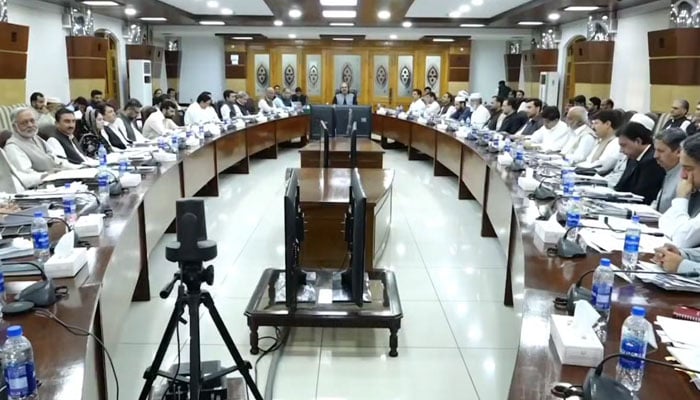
[(342, 24), (531, 23), (446, 40), (242, 38), (407, 24), (153, 19), (465, 8), (455, 14), (130, 11), (226, 11), (295, 13), (477, 2), (278, 22), (554, 16), (472, 25), (384, 14), (212, 4), (292, 36), (343, 39), (393, 37), (101, 3), (581, 8), (339, 3), (212, 23), (339, 13)]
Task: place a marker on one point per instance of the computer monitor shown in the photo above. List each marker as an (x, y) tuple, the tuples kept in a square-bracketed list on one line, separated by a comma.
[(353, 279), (321, 113), (293, 236), (361, 116)]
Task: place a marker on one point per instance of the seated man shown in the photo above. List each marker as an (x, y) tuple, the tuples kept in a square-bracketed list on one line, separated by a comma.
[(606, 152), (513, 120), (667, 152), (201, 111), (497, 116), (266, 103), (447, 105), (582, 141), (38, 103), (679, 115), (227, 108), (96, 97), (300, 97), (418, 105), (240, 105), (643, 176), (114, 130), (533, 108), (345, 97), (28, 154), (130, 116), (480, 114), (284, 102), (681, 222), (553, 134), (62, 142), (432, 107), (159, 122), (462, 112)]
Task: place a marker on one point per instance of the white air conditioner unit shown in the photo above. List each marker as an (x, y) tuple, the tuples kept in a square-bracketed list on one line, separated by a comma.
[(549, 88), (140, 81)]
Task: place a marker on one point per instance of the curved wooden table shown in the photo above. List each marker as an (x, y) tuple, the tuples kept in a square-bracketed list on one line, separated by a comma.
[(533, 280)]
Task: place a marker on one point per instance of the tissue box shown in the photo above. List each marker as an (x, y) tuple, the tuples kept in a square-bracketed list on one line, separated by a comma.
[(89, 225), (422, 121), (66, 267), (129, 180), (403, 115), (572, 347), (528, 184), (381, 111), (549, 231)]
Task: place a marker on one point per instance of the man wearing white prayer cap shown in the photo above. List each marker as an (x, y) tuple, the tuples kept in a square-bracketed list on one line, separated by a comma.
[(480, 114)]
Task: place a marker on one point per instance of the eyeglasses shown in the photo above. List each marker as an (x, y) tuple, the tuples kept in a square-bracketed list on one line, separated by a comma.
[(26, 122)]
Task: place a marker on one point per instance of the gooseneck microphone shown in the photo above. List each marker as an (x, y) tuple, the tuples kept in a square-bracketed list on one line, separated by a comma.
[(599, 387), (576, 292), (570, 249)]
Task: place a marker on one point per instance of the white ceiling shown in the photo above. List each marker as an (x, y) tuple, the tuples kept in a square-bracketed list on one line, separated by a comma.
[(239, 7), (442, 8)]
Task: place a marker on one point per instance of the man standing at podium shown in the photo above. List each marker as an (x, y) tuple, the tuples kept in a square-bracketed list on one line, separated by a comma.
[(345, 97)]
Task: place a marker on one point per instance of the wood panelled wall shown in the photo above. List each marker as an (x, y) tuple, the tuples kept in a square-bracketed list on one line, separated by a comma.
[(593, 62), (454, 68), (87, 64), (513, 63), (674, 64), (14, 42), (534, 62), (173, 62)]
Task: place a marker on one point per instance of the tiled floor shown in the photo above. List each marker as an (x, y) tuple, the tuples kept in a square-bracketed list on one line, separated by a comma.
[(457, 339)]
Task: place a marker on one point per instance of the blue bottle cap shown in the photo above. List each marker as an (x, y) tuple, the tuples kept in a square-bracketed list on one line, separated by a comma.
[(14, 331), (638, 311), (635, 218), (605, 262), (67, 186), (38, 214)]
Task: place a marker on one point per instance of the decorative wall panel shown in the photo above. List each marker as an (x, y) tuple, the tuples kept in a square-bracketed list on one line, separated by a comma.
[(381, 75), (348, 69), (433, 73), (313, 74), (405, 76), (290, 80), (262, 73)]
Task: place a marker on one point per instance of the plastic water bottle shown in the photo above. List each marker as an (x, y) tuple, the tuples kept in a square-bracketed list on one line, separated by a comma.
[(567, 179), (69, 211), (202, 133), (40, 237), (630, 251), (633, 341), (102, 156), (519, 159), (573, 218), (161, 143), (103, 189), (18, 363), (506, 147), (603, 279), (175, 143), (3, 297), (123, 165)]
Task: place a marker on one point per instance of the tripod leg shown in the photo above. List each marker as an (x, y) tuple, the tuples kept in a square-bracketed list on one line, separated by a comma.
[(243, 366), (195, 356), (152, 372)]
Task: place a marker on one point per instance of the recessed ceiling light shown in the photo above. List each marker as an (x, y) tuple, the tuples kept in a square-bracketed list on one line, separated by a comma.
[(581, 8), (343, 39), (384, 14), (446, 40), (278, 22), (407, 24), (393, 37), (455, 14), (292, 36), (465, 8), (342, 24), (153, 19), (101, 3), (472, 25), (242, 38), (339, 3), (339, 13), (130, 11), (477, 2), (295, 13), (226, 11), (212, 4), (212, 23), (531, 23), (554, 16)]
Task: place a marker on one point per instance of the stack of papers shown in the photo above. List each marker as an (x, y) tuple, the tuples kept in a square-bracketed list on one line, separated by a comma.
[(683, 338), (72, 174), (667, 282), (605, 241)]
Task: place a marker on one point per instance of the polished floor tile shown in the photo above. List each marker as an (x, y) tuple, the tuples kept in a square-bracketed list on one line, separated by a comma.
[(483, 324), (490, 369), (469, 284), (479, 253)]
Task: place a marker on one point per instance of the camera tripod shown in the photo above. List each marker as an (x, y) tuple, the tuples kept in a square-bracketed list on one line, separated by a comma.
[(191, 298)]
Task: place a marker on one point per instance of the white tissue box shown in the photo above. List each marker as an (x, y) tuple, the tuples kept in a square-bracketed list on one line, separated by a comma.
[(66, 267), (129, 180), (283, 114), (240, 124), (422, 121), (528, 184), (402, 115), (162, 156), (89, 225), (381, 111), (549, 231), (261, 119), (441, 127), (575, 348)]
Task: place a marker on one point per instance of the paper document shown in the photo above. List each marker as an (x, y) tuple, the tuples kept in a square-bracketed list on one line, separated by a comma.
[(689, 358), (68, 174), (680, 331)]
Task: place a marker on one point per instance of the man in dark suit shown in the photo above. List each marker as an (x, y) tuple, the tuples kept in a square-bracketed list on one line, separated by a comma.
[(514, 120), (643, 176)]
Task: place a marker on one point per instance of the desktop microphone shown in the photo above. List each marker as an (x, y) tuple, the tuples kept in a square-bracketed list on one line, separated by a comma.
[(570, 249), (599, 387), (576, 292), (543, 193)]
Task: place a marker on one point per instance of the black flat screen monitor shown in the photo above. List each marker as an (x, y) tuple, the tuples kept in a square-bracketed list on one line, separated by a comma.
[(361, 116), (321, 113), (354, 278), (293, 236)]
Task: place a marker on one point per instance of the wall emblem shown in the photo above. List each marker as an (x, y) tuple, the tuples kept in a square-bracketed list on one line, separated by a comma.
[(262, 75), (381, 76), (313, 75), (433, 76), (405, 77), (347, 74), (289, 75)]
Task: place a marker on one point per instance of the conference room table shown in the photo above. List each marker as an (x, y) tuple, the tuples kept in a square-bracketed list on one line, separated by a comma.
[(534, 279)]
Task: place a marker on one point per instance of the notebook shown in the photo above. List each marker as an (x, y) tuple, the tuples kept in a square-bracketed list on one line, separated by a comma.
[(687, 313)]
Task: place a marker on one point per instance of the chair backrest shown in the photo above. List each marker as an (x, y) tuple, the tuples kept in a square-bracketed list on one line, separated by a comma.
[(5, 112), (663, 118), (4, 135), (353, 91), (46, 131), (217, 107)]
